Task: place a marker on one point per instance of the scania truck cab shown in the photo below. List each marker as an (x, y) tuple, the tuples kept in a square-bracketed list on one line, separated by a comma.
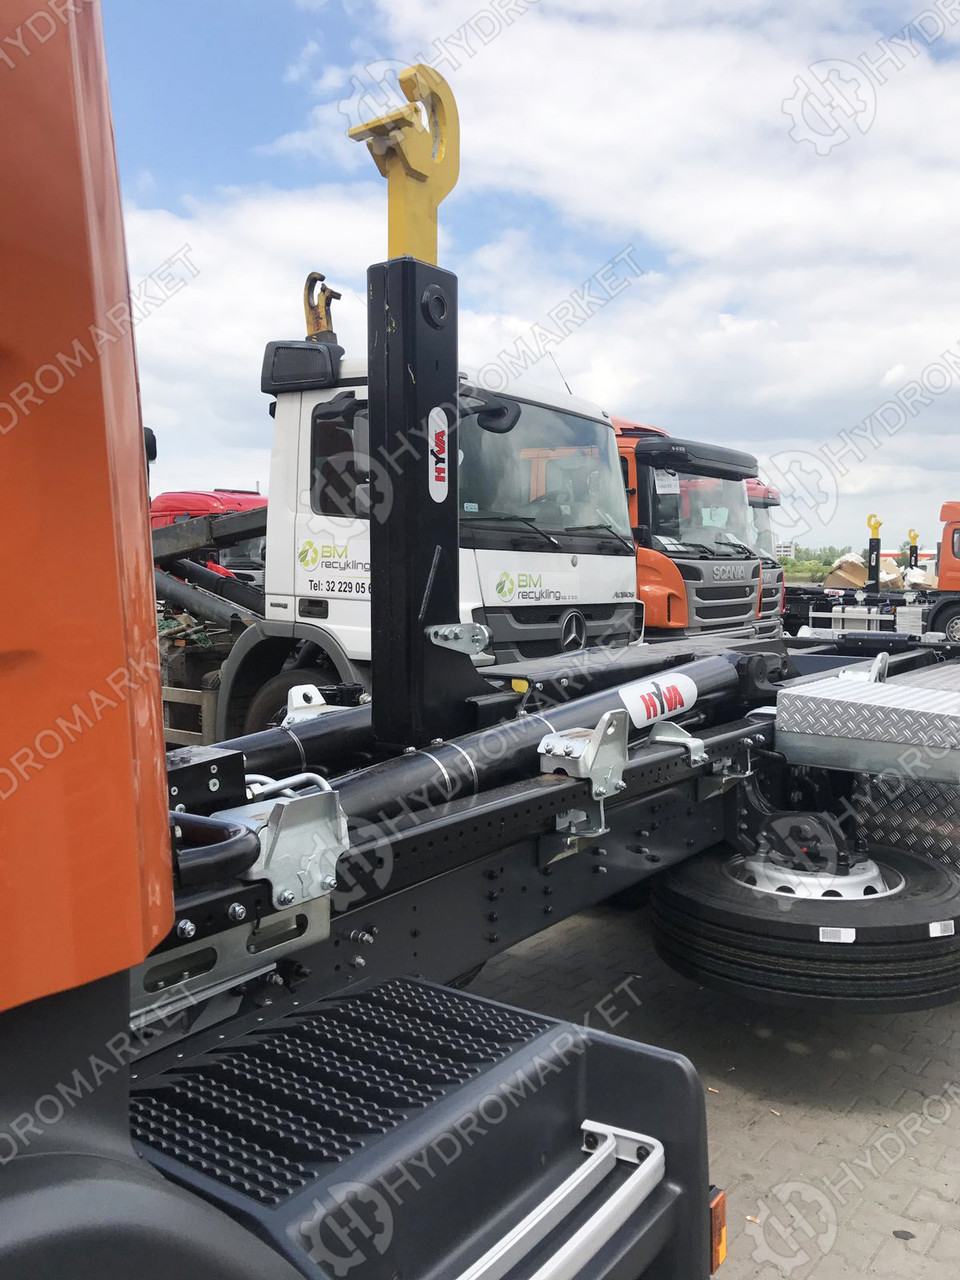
[(762, 499), (696, 569), (546, 561)]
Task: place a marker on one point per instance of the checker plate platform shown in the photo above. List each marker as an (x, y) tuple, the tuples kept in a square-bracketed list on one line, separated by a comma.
[(403, 1130), (905, 726)]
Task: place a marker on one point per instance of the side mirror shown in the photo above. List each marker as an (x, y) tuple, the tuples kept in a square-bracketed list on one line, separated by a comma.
[(641, 535), (492, 413)]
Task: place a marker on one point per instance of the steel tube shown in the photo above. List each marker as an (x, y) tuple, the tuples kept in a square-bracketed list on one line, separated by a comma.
[(470, 764), (200, 603)]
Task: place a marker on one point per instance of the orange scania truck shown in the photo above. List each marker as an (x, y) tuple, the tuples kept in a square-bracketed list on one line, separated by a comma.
[(697, 567)]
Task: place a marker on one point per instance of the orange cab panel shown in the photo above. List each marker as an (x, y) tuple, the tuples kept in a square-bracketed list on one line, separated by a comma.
[(85, 874)]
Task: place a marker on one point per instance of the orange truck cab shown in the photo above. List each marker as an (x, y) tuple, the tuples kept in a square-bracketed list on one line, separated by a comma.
[(949, 562), (762, 499), (696, 566)]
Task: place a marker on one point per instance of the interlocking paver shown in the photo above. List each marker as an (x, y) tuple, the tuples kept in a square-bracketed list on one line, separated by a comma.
[(846, 1149)]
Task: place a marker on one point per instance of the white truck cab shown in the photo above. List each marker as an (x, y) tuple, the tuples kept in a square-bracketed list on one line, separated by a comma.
[(546, 557)]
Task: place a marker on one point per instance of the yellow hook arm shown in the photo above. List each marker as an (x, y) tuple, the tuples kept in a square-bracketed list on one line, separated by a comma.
[(421, 162), (316, 307), (873, 524), (913, 536)]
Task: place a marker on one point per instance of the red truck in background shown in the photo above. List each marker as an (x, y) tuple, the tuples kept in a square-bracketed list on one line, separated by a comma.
[(245, 559), (762, 499)]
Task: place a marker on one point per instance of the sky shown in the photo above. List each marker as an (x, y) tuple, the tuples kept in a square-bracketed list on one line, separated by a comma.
[(739, 221)]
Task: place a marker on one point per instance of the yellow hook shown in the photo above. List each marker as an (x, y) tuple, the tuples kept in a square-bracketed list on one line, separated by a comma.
[(913, 536), (421, 162), (316, 308), (873, 524)]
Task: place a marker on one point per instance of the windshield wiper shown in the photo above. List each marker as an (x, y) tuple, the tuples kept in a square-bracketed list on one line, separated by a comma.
[(501, 517), (575, 528)]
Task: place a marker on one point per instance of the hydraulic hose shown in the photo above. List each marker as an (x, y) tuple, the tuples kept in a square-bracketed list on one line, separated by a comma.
[(211, 849)]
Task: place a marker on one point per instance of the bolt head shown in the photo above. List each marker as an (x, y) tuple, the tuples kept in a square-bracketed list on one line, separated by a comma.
[(285, 898), (358, 962), (329, 882), (237, 911), (186, 929), (214, 784), (621, 785)]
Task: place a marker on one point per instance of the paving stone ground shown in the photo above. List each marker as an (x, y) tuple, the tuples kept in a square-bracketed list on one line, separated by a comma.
[(837, 1137)]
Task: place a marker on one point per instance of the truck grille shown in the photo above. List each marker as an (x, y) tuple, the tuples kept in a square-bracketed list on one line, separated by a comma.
[(720, 604), (771, 592)]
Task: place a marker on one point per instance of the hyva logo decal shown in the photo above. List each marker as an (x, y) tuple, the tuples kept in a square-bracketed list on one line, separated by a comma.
[(438, 439)]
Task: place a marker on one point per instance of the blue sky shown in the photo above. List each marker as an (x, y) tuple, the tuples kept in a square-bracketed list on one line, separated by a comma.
[(794, 278)]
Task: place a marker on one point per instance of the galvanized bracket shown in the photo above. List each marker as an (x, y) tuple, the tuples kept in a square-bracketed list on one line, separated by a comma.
[(464, 637), (666, 733), (301, 838), (304, 702), (599, 756)]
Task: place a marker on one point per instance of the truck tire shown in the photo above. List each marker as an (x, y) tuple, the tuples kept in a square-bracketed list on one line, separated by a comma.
[(269, 704), (948, 621), (880, 954)]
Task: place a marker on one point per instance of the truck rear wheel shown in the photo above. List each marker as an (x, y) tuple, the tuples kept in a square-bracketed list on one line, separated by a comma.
[(894, 948), (268, 705), (948, 621)]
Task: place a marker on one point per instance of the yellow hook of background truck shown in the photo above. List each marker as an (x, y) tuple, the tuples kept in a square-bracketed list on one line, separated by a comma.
[(421, 163), (873, 524), (913, 535)]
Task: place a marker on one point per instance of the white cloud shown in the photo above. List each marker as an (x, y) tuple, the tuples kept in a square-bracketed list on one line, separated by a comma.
[(789, 293)]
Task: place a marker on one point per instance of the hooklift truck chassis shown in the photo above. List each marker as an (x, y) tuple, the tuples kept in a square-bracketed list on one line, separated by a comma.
[(398, 1129)]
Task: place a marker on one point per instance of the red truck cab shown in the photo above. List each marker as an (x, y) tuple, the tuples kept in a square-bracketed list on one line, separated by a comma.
[(245, 560)]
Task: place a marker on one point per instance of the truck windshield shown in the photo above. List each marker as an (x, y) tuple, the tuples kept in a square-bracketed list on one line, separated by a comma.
[(247, 554), (700, 514), (762, 537), (555, 469)]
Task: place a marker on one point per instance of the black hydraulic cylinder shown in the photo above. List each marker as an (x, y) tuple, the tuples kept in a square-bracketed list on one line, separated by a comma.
[(339, 735), (477, 761), (420, 689), (219, 584), (202, 604)]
